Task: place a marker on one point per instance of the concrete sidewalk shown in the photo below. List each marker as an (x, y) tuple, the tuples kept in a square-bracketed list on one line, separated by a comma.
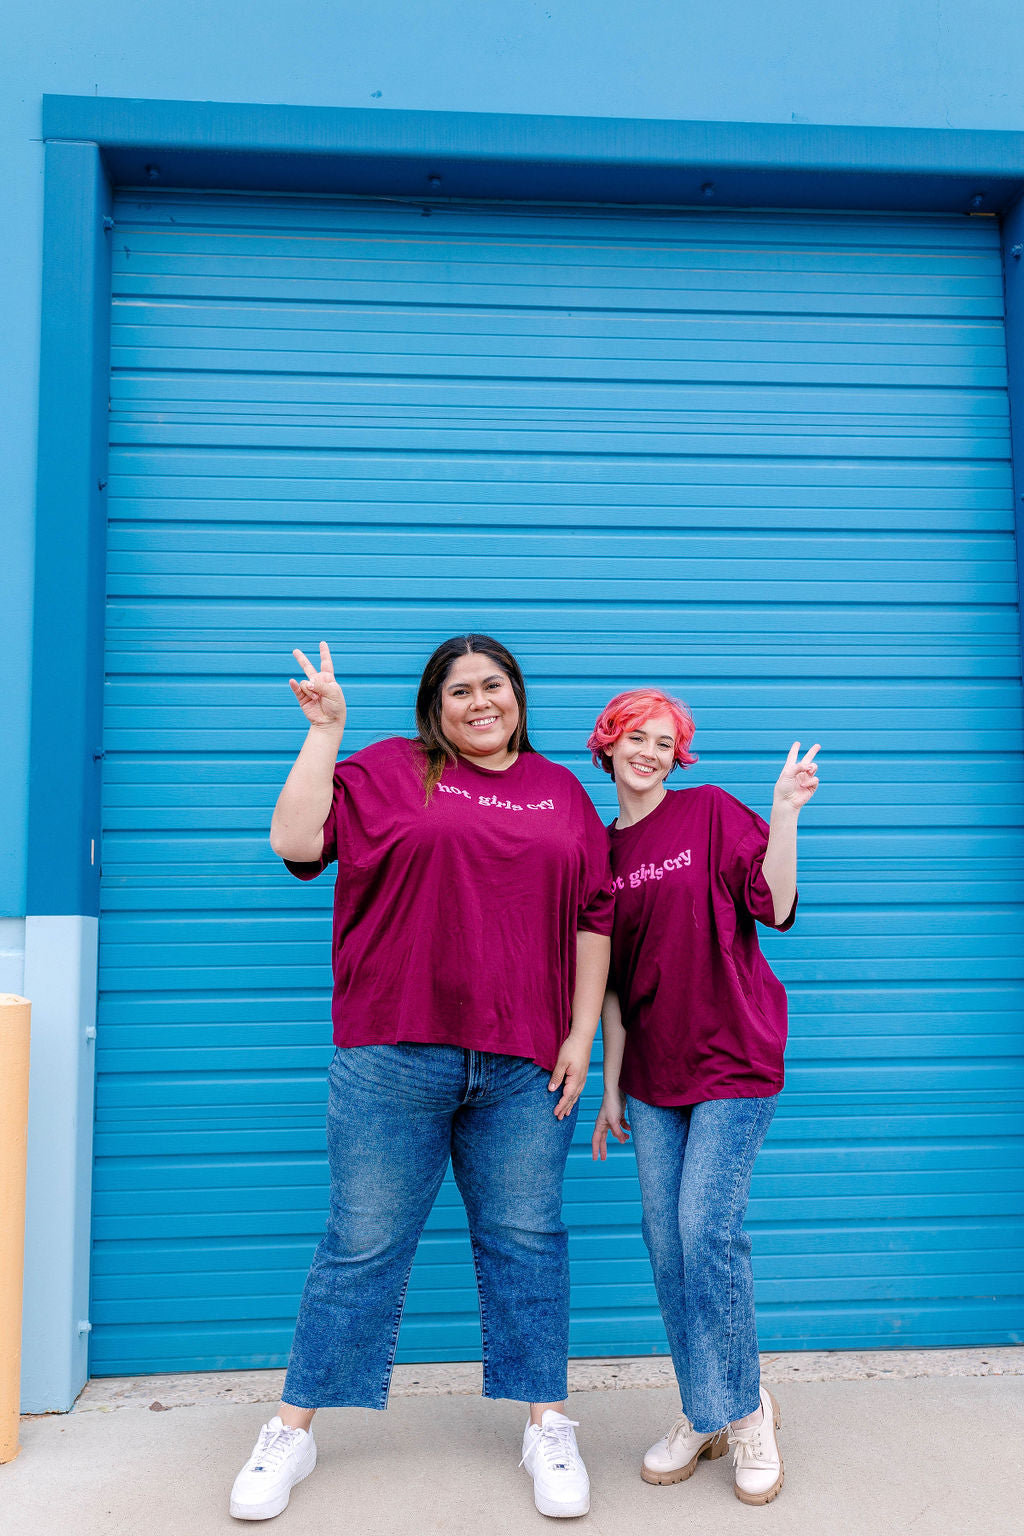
[(867, 1454)]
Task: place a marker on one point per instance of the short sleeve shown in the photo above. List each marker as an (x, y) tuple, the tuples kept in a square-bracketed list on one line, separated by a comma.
[(330, 849), (596, 903), (743, 872)]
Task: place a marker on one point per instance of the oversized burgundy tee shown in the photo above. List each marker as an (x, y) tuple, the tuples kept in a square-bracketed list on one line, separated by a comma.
[(705, 1016), (455, 922)]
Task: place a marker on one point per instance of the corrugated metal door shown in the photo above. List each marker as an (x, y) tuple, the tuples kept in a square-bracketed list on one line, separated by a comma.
[(762, 459)]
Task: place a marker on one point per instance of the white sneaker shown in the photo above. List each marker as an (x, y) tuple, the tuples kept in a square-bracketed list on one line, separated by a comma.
[(281, 1458), (758, 1468), (674, 1458), (561, 1486)]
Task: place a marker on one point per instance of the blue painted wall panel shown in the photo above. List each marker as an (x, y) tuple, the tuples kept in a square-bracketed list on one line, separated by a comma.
[(905, 66), (760, 458)]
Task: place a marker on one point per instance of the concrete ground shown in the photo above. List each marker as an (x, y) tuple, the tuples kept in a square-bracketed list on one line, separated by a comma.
[(869, 1456)]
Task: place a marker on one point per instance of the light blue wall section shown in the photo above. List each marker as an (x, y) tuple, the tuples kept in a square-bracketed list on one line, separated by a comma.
[(60, 980), (958, 64), (12, 955)]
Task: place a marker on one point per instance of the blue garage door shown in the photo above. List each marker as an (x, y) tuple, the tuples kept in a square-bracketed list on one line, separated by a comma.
[(760, 459)]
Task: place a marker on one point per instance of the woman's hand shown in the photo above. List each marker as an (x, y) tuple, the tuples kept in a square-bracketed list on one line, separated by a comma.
[(796, 784), (320, 697), (609, 1118), (570, 1073), (798, 780), (297, 827)]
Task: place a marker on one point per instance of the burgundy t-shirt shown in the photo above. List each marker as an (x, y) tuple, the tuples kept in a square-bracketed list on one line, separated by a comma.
[(455, 923), (704, 1014)]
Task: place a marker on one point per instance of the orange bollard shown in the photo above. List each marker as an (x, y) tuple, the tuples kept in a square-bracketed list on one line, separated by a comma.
[(14, 1037)]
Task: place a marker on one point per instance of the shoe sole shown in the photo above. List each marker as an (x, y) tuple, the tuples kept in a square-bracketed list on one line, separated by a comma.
[(776, 1488), (561, 1511), (273, 1506), (713, 1450)]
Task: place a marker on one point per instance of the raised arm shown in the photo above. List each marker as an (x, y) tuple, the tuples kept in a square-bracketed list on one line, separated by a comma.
[(297, 826), (796, 784)]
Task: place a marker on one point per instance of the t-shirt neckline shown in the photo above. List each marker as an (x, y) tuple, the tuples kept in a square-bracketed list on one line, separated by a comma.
[(645, 821), (490, 773)]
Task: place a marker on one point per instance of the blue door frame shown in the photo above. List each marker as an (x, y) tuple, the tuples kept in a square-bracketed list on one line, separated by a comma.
[(93, 146)]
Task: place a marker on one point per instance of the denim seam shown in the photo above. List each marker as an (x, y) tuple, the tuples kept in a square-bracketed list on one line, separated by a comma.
[(385, 1385), (732, 1284), (485, 1363)]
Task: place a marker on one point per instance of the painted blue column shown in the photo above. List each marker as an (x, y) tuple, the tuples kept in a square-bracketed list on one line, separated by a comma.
[(67, 670), (64, 798)]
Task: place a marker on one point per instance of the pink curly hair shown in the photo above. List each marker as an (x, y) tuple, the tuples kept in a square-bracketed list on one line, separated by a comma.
[(635, 707)]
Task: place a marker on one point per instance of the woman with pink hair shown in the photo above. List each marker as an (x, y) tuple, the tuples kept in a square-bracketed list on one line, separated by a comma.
[(694, 1034)]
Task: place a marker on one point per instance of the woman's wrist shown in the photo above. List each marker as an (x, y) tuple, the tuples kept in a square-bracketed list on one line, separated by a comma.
[(327, 730), (583, 1033)]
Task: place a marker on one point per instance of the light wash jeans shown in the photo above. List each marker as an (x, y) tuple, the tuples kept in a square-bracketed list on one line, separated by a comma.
[(694, 1164), (395, 1115)]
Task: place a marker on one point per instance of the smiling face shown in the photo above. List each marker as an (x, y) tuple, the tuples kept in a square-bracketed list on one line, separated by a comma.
[(642, 758), (479, 711)]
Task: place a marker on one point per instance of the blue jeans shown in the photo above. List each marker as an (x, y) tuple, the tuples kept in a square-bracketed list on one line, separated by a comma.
[(695, 1163), (395, 1115)]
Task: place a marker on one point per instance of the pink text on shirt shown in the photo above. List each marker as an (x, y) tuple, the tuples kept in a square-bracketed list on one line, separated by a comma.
[(636, 877)]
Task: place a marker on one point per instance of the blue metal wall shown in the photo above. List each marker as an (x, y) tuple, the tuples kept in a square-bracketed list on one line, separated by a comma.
[(908, 66), (762, 459)]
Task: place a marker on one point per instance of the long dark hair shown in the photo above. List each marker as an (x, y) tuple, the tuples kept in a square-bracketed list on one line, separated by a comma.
[(437, 750)]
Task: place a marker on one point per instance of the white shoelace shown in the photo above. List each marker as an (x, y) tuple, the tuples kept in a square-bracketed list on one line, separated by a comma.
[(747, 1449), (556, 1446), (680, 1430), (272, 1447)]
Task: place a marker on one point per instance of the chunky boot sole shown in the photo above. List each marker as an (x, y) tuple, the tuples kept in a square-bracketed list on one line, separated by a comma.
[(713, 1450), (776, 1488), (763, 1498)]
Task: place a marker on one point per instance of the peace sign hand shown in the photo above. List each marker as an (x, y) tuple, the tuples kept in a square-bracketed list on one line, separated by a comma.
[(798, 780), (319, 694)]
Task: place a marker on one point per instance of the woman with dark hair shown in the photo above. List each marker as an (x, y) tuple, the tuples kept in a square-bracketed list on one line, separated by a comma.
[(694, 1033), (471, 918)]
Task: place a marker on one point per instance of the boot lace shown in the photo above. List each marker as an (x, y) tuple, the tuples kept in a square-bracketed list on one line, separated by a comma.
[(747, 1449), (556, 1446), (680, 1430), (273, 1446)]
